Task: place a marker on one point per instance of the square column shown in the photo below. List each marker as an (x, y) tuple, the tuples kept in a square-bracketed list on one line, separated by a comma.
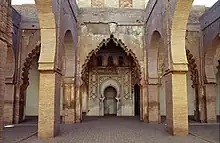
[(144, 101), (176, 103), (78, 108), (49, 104), (153, 100), (68, 101), (202, 106), (211, 102)]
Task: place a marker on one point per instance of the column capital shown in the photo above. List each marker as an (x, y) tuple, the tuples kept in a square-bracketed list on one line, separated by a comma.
[(210, 79), (153, 81), (48, 67), (210, 82), (179, 68), (9, 80), (68, 80)]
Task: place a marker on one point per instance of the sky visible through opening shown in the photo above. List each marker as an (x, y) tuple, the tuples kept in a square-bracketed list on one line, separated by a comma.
[(207, 3)]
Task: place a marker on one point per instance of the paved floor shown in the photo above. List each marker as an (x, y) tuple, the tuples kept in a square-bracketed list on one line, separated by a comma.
[(209, 132), (18, 133), (121, 130)]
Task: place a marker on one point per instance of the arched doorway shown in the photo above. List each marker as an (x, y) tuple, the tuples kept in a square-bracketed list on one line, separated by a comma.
[(137, 100), (156, 62), (68, 100), (110, 102)]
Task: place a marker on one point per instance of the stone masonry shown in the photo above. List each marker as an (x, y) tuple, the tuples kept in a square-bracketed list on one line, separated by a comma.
[(5, 43), (163, 39)]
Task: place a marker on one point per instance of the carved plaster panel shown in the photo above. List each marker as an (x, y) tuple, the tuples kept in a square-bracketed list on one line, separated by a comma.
[(100, 79)]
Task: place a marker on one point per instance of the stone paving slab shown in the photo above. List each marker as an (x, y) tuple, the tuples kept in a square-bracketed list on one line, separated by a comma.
[(113, 130), (208, 132), (18, 133)]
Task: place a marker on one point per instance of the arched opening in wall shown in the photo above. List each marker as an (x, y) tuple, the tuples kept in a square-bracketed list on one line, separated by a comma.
[(137, 100), (110, 102), (31, 105), (193, 88), (155, 64), (112, 74), (68, 84), (212, 54), (69, 58), (28, 102)]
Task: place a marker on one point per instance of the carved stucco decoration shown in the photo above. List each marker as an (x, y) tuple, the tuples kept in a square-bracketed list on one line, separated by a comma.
[(25, 79), (110, 81), (192, 68), (100, 75), (27, 65), (105, 42)]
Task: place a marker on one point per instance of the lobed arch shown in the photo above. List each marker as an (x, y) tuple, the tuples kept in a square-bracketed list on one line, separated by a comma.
[(193, 68), (105, 42), (25, 78), (110, 83)]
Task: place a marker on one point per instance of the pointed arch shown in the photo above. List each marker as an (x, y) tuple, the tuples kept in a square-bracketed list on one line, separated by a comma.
[(181, 10), (69, 58), (155, 55), (25, 78), (211, 53), (47, 20), (193, 68)]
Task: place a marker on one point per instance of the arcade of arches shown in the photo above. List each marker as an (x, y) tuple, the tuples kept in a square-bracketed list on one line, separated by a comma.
[(160, 62)]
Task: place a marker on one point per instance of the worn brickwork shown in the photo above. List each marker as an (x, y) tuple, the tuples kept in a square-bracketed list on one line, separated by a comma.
[(5, 42), (3, 51), (11, 69)]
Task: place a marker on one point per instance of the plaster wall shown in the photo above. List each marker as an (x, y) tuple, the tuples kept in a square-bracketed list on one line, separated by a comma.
[(32, 99), (193, 45), (162, 97), (31, 108), (96, 25), (190, 96)]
